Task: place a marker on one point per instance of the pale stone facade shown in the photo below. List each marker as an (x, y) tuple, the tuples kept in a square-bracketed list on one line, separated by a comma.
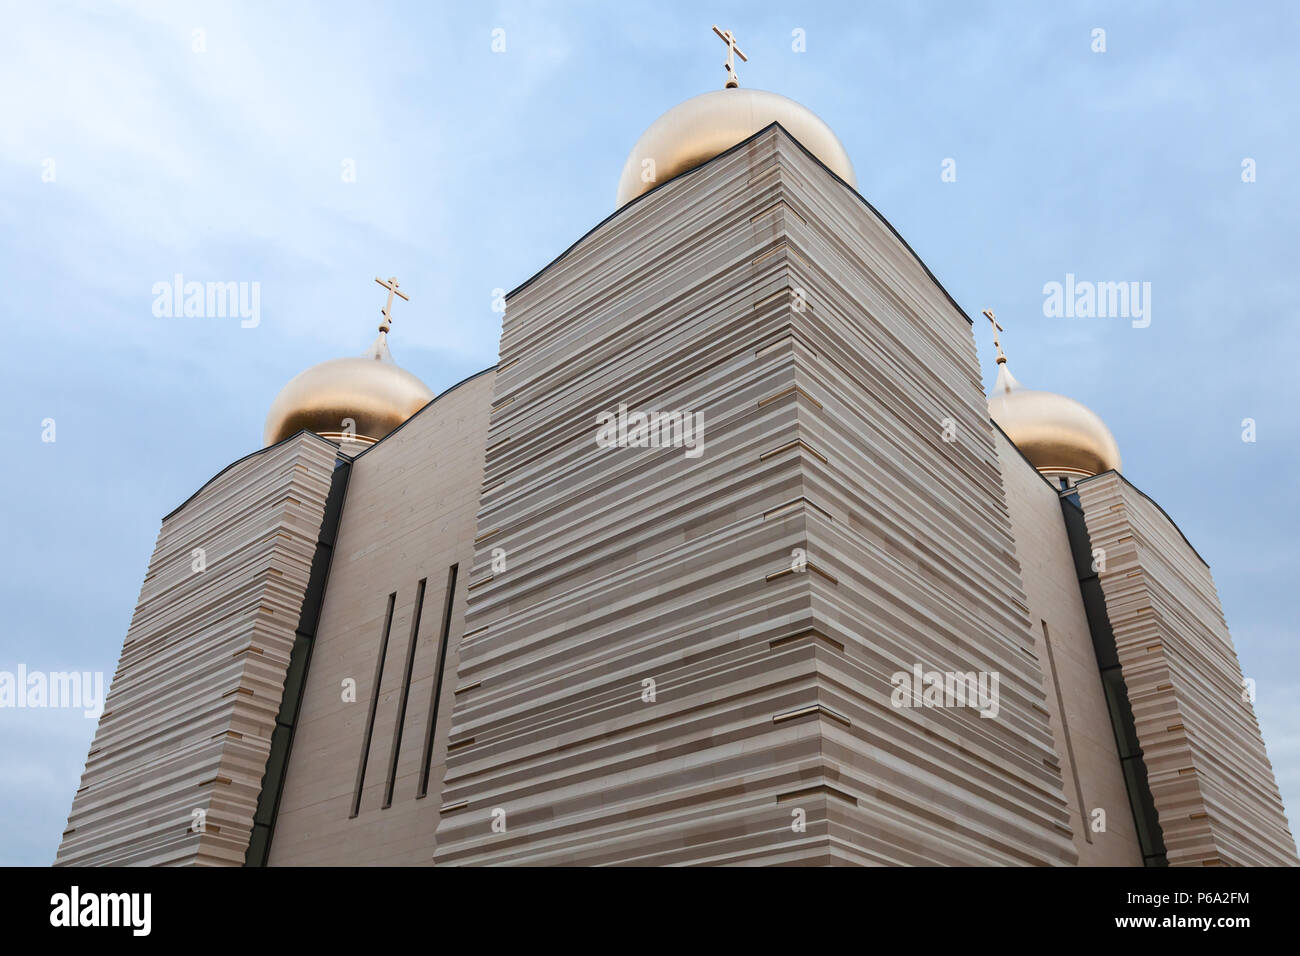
[(409, 516), (1081, 726), (176, 766), (644, 656), (1210, 779), (822, 357)]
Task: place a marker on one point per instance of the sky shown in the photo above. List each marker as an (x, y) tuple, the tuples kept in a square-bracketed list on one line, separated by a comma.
[(309, 148)]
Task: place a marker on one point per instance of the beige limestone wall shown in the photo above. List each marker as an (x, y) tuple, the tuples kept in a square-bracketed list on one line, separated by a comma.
[(771, 685), (915, 535), (409, 514), (188, 720), (1210, 777), (1081, 726)]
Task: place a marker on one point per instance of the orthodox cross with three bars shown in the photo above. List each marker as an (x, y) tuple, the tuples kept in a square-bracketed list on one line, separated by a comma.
[(387, 310), (1002, 358), (727, 37)]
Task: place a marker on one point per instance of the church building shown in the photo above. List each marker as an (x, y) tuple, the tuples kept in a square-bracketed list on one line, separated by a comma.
[(728, 560)]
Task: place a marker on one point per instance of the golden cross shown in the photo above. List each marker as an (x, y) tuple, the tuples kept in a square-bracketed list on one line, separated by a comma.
[(387, 310), (1002, 358), (728, 38)]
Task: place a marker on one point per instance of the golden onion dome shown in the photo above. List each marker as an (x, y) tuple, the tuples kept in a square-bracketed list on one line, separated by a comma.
[(693, 132), (370, 390), (1057, 434)]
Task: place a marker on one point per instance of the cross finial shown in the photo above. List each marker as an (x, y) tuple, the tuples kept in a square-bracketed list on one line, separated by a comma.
[(1002, 357), (727, 37), (387, 310)]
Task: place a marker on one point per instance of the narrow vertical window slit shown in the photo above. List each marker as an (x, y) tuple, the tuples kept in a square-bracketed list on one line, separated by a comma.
[(406, 693), (449, 602), (374, 705)]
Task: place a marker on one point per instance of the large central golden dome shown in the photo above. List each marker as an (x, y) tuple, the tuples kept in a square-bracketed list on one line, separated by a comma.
[(693, 132)]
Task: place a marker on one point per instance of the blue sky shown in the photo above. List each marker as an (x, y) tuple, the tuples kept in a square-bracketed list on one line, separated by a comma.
[(474, 169)]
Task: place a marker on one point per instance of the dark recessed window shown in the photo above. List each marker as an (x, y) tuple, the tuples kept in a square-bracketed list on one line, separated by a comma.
[(406, 693), (374, 704), (448, 604)]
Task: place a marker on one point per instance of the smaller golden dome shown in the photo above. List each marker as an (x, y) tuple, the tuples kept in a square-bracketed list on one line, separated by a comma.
[(370, 389), (1057, 434), (696, 130)]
